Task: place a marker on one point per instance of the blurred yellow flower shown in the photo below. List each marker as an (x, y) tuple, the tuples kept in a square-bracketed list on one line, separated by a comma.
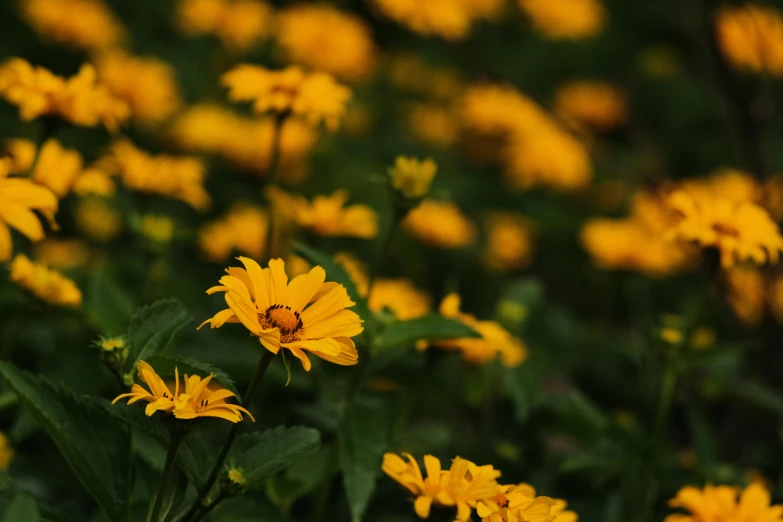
[(83, 24), (409, 72), (111, 344), (180, 178), (433, 124), (399, 296), (148, 85), (6, 452), (509, 241), (565, 19), (751, 37), (304, 315), (592, 104), (703, 338), (157, 228), (243, 229), (739, 231), (197, 399), (97, 219), (94, 182), (412, 177), (18, 198), (62, 254), (326, 39), (238, 24), (441, 224), (745, 293), (355, 269), (47, 285), (80, 99), (325, 215), (56, 167), (315, 97), (721, 504), (497, 109), (449, 19), (737, 185), (671, 335)]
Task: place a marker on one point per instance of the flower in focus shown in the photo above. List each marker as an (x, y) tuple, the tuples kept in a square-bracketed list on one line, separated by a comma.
[(745, 293), (721, 504), (83, 24), (739, 231), (565, 19), (238, 24), (441, 224), (408, 474), (56, 167), (326, 39), (509, 242), (433, 124), (516, 503), (62, 254), (592, 104), (325, 215), (399, 296), (412, 177), (79, 99), (315, 97), (242, 229), (147, 85), (196, 400), (18, 199), (304, 315), (97, 219), (157, 228), (180, 178), (750, 36), (45, 284), (6, 452), (493, 339), (468, 484), (449, 19)]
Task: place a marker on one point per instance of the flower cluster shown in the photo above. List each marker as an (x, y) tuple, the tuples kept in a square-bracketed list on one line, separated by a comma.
[(238, 24), (725, 504), (242, 229)]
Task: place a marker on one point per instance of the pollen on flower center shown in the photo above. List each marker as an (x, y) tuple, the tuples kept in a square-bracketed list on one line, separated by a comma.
[(288, 321)]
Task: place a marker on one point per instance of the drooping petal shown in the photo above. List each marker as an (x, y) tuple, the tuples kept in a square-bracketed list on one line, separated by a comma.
[(22, 219)]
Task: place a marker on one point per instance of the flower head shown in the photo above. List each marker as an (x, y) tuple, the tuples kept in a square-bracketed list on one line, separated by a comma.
[(412, 177), (197, 399), (441, 224), (751, 37), (401, 297), (449, 19), (593, 104), (45, 284), (467, 484), (315, 97), (721, 504), (243, 228), (517, 504), (56, 168), (565, 19), (408, 474), (98, 219), (509, 242), (95, 27), (158, 228), (238, 24), (325, 215), (304, 315)]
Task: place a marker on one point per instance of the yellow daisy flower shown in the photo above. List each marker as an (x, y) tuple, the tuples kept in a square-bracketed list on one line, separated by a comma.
[(751, 37), (516, 504), (304, 315), (441, 224), (56, 168), (95, 27), (95, 182), (45, 284), (565, 19), (197, 399), (412, 177), (509, 241), (408, 474), (243, 228), (467, 484), (593, 104), (63, 254), (721, 504), (238, 24), (401, 297)]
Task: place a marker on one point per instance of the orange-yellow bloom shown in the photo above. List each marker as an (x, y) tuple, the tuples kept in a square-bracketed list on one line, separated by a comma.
[(721, 504), (408, 474), (441, 224), (56, 167), (518, 504), (399, 296), (243, 228), (304, 315), (565, 19), (593, 104), (412, 177), (751, 37), (83, 24), (196, 400), (238, 24), (449, 19), (45, 284), (509, 241)]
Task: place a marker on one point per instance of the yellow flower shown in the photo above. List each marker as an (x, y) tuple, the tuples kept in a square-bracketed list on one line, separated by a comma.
[(157, 228), (80, 99), (408, 474), (236, 476), (441, 224), (45, 284), (315, 97), (56, 167), (62, 254), (18, 198), (412, 177), (147, 85), (520, 503), (720, 504), (305, 315), (326, 39), (745, 293), (197, 400), (565, 19), (325, 215), (6, 452), (180, 178), (111, 344), (449, 19), (433, 124), (737, 185), (739, 231), (509, 242), (399, 296), (238, 24), (355, 269), (98, 219), (671, 335), (83, 24), (592, 104), (242, 229), (751, 37), (497, 109), (494, 340), (467, 484), (94, 182)]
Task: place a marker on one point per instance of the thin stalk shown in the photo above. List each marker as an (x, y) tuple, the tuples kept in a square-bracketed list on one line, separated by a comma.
[(206, 510), (176, 437), (274, 168)]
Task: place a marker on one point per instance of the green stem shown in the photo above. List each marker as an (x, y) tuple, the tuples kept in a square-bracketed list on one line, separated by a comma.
[(129, 476), (175, 439), (274, 168)]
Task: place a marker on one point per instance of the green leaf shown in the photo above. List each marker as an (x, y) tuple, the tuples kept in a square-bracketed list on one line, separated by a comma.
[(429, 327), (93, 443), (365, 435), (107, 305), (165, 366), (152, 329), (261, 454), (23, 508)]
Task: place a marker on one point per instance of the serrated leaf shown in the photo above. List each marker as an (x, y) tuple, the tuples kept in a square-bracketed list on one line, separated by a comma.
[(107, 305), (365, 435), (23, 508), (428, 328), (93, 443), (152, 329), (260, 455), (165, 366)]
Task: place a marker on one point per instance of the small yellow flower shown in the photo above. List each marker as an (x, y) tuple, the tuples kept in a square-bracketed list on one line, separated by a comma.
[(467, 484), (565, 19), (325, 215), (721, 504), (703, 338), (433, 124), (56, 167), (157, 228), (448, 19), (45, 284), (315, 97), (98, 219), (592, 104), (509, 242), (745, 293), (751, 37), (399, 296), (408, 474), (197, 399), (95, 182), (238, 24), (441, 224), (242, 229), (111, 344), (6, 452), (95, 27), (671, 335), (412, 177), (62, 254), (236, 476), (355, 269), (18, 198), (304, 315)]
